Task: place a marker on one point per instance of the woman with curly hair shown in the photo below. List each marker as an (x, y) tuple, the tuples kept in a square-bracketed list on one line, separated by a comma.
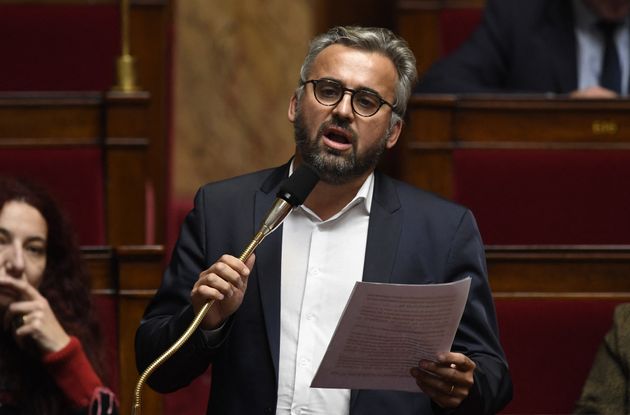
[(50, 359)]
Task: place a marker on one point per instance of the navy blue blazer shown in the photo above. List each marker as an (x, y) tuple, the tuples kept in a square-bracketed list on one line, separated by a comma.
[(519, 47), (413, 238)]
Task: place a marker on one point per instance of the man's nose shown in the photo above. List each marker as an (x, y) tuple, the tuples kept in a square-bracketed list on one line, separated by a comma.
[(344, 106)]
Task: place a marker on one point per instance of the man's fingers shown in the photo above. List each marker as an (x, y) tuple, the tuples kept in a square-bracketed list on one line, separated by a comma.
[(230, 269), (445, 393), (459, 360)]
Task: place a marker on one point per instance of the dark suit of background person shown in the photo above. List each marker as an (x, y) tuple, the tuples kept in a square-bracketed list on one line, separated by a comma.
[(520, 47), (413, 238), (607, 387)]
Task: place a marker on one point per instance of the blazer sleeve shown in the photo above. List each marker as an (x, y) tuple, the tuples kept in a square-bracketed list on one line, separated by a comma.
[(481, 63), (170, 312), (477, 335)]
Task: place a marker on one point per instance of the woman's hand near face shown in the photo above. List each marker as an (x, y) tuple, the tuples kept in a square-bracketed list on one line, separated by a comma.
[(31, 316)]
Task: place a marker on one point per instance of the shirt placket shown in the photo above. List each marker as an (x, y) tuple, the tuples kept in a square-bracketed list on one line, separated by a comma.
[(305, 369)]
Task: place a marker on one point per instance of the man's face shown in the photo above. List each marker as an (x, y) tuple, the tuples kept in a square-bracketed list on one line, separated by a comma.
[(611, 10), (339, 143)]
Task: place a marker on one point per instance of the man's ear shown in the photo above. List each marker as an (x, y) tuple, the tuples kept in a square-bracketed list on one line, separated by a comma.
[(394, 135), (293, 103)]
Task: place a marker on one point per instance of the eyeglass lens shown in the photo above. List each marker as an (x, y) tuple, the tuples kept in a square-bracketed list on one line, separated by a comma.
[(364, 103)]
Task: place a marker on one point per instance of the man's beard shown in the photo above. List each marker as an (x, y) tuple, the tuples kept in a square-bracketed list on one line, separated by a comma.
[(332, 165)]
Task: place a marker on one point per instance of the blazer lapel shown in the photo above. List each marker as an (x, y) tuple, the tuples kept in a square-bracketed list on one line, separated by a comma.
[(383, 231), (268, 263), (383, 237)]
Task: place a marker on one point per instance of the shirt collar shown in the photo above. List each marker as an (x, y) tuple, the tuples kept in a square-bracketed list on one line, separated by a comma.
[(363, 198)]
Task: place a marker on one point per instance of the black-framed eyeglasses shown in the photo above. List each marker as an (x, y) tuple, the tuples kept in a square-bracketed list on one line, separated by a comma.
[(364, 102)]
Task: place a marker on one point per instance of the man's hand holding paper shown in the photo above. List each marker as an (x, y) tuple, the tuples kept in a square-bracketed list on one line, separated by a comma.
[(386, 329), (447, 381)]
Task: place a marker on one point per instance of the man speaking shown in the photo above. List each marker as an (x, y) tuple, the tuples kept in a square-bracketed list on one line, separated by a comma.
[(274, 315)]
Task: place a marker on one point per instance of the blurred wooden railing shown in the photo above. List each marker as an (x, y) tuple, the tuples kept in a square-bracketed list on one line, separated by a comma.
[(126, 278)]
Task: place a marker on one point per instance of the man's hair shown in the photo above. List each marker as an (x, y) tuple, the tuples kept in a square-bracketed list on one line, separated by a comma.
[(370, 39)]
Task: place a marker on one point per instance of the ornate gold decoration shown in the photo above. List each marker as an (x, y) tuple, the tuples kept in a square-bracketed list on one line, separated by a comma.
[(125, 64)]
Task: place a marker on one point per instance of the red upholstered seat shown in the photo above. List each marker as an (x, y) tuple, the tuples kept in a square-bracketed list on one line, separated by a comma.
[(58, 46), (550, 345), (191, 400), (73, 176), (546, 196)]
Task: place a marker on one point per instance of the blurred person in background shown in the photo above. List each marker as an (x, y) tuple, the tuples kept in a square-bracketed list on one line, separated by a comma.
[(50, 358), (606, 389), (575, 47)]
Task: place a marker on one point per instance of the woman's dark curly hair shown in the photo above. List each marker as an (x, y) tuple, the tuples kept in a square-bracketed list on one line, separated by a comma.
[(66, 286)]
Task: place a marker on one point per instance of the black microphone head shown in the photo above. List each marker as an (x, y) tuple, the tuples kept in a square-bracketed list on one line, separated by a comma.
[(299, 185)]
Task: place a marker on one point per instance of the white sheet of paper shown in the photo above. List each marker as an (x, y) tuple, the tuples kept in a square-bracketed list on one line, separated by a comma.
[(386, 329)]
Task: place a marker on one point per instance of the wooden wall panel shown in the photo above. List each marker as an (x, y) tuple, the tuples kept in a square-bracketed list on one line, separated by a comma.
[(419, 22), (150, 38), (140, 273), (38, 121), (151, 32), (442, 123), (559, 271), (131, 275)]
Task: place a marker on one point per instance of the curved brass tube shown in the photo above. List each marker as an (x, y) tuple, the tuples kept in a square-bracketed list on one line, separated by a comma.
[(137, 399)]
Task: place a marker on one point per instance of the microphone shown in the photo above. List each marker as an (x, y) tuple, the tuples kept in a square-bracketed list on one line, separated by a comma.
[(292, 193)]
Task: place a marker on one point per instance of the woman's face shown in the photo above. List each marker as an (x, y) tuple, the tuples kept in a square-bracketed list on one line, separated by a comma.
[(23, 237)]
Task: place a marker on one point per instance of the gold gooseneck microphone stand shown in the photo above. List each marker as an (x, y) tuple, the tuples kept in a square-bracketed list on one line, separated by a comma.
[(291, 194)]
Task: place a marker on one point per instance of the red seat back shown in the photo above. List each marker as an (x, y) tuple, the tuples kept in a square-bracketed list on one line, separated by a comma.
[(58, 46), (550, 346), (456, 25), (74, 177), (191, 400), (546, 196)]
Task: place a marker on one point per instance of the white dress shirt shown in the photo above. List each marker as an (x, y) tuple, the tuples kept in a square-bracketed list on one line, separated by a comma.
[(321, 261), (590, 48)]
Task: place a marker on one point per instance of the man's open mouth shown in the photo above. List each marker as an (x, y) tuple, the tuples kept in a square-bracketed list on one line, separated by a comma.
[(338, 138)]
